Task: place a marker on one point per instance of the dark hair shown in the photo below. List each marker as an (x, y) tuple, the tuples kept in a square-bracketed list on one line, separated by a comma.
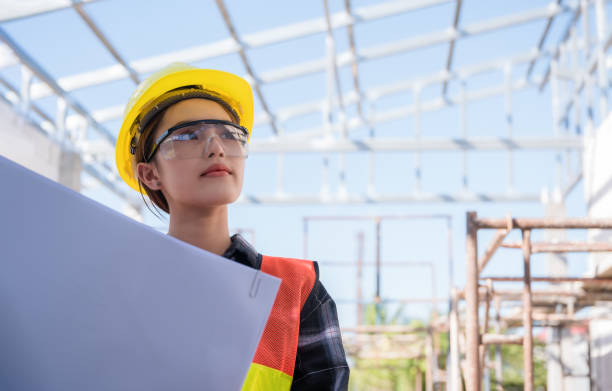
[(145, 144)]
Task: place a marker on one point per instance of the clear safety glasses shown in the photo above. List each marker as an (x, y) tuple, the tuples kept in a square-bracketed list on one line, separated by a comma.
[(193, 139)]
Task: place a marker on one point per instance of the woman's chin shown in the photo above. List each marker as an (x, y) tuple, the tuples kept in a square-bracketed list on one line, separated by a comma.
[(215, 199)]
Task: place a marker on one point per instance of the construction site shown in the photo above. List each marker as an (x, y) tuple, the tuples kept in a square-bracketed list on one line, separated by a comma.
[(446, 163)]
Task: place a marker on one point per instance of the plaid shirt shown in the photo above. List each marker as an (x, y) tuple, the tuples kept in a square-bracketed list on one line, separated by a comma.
[(320, 363)]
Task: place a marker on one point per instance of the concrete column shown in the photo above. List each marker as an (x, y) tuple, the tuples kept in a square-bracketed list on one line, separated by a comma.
[(555, 207), (554, 370), (24, 143)]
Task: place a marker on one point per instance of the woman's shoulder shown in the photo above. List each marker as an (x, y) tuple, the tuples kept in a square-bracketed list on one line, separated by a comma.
[(290, 263), (296, 272)]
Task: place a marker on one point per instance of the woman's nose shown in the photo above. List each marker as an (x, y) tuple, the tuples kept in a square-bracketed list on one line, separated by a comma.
[(214, 146)]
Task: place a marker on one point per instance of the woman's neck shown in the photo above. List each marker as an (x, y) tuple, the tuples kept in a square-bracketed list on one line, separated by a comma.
[(206, 229)]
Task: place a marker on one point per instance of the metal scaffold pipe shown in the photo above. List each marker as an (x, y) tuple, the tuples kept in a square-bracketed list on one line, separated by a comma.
[(472, 375), (528, 337)]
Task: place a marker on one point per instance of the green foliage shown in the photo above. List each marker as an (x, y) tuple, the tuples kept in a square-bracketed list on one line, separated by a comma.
[(384, 374), (389, 374), (401, 374), (512, 358)]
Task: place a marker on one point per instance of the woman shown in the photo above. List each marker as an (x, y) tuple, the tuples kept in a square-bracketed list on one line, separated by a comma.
[(183, 143)]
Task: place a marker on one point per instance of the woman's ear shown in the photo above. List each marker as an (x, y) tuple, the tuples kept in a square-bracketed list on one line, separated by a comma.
[(148, 175)]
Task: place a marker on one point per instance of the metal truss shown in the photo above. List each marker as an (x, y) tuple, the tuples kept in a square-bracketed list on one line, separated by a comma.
[(304, 29), (572, 85)]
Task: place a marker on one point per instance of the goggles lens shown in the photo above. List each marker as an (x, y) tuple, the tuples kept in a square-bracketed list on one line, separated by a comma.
[(195, 140)]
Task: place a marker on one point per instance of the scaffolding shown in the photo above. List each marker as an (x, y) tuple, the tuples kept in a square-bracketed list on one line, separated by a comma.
[(536, 304)]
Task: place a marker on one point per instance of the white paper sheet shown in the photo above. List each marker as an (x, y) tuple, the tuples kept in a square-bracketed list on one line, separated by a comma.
[(92, 300)]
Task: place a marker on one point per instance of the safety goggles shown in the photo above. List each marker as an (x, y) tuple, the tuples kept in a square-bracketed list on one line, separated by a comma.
[(193, 139)]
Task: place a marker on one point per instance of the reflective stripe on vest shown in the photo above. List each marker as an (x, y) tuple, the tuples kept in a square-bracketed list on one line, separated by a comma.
[(274, 361)]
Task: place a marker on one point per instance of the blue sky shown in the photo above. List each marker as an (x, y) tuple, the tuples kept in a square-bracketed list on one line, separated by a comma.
[(62, 44)]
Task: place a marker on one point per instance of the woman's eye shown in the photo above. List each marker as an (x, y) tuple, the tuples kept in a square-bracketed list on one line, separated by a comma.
[(234, 135), (184, 137), (229, 135)]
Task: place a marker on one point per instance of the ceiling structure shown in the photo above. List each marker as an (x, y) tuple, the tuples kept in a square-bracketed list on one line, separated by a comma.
[(569, 57)]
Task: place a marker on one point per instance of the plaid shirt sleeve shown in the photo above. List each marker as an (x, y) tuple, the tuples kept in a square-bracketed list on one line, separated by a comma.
[(320, 363)]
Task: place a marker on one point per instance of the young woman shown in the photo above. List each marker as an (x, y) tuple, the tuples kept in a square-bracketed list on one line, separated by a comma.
[(183, 142)]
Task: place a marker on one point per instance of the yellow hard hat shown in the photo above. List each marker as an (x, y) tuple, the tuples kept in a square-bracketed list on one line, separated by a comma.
[(169, 85)]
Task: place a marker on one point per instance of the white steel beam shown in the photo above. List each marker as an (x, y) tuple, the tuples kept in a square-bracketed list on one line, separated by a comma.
[(590, 66), (33, 106), (254, 80), (102, 150), (78, 7), (602, 41), (354, 64), (332, 61), (566, 34), (463, 126), (412, 145), (296, 199), (332, 73), (227, 46), (7, 57), (549, 23), (11, 10), (451, 44), (113, 184)]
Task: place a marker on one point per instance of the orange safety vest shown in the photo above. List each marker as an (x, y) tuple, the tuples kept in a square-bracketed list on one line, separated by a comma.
[(274, 361)]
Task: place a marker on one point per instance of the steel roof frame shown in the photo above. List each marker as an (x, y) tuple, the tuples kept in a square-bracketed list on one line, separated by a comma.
[(309, 140), (229, 45)]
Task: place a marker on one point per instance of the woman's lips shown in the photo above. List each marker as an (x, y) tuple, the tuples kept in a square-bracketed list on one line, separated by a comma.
[(217, 173)]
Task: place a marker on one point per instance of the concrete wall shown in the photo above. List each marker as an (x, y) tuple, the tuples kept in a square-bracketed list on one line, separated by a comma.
[(598, 196), (23, 143), (601, 352), (567, 354), (598, 190)]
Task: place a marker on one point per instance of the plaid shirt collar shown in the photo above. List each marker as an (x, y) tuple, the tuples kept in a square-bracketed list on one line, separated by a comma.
[(243, 252)]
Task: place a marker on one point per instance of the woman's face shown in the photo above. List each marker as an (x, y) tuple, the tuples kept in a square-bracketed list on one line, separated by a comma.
[(181, 180)]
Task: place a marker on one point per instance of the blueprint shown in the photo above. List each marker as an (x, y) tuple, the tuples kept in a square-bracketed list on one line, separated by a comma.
[(93, 300)]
